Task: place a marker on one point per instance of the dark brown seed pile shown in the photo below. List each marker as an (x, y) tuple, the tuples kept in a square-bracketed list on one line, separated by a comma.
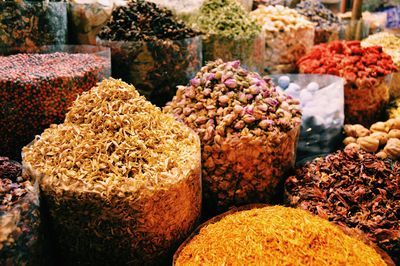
[(9, 169), (353, 188), (142, 20)]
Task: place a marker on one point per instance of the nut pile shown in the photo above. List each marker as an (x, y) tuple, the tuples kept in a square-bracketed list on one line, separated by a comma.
[(248, 132), (274, 235), (327, 23), (288, 36), (19, 216), (364, 69), (352, 188), (382, 138), (117, 173), (37, 89)]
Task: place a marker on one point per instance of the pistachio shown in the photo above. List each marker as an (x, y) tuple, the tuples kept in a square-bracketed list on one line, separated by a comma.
[(368, 144), (381, 136), (381, 155), (394, 133), (380, 127)]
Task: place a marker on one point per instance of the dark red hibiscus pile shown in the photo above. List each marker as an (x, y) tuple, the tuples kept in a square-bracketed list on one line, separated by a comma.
[(361, 67)]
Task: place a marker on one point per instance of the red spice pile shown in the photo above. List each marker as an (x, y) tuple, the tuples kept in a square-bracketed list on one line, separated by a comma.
[(36, 91), (359, 66)]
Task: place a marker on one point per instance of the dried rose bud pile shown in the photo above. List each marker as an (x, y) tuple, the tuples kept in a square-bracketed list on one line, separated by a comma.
[(352, 188), (19, 216), (364, 69), (37, 89), (382, 138), (248, 132), (117, 173)]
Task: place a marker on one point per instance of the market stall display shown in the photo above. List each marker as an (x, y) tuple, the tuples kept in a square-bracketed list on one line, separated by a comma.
[(248, 133), (229, 33), (30, 24), (391, 45), (117, 173), (353, 188), (322, 104), (37, 89), (19, 217), (382, 138), (275, 235), (327, 23), (288, 37), (151, 49), (366, 73)]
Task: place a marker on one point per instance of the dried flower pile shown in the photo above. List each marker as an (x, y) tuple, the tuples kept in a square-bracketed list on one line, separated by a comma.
[(327, 23), (19, 217), (288, 36), (37, 89), (382, 138), (353, 188), (364, 69), (151, 49), (117, 173), (247, 129), (274, 236)]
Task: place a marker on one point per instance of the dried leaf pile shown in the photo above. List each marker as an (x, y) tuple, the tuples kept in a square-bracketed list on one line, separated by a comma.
[(352, 188), (117, 173), (19, 217), (248, 132), (275, 236)]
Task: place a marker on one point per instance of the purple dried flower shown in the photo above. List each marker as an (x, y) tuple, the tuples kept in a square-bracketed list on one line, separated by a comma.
[(195, 82), (210, 76), (235, 64), (230, 83)]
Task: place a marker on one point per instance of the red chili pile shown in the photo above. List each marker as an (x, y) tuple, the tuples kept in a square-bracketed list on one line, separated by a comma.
[(36, 91), (359, 66)]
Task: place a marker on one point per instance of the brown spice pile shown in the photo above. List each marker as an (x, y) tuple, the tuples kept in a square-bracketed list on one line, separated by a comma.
[(275, 236), (118, 173), (353, 188)]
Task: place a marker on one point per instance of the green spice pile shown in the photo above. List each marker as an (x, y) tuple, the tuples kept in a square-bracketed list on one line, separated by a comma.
[(117, 173), (247, 129), (19, 216), (274, 235), (353, 188), (37, 89)]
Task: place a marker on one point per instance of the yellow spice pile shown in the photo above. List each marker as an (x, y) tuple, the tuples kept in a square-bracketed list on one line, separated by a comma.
[(275, 236)]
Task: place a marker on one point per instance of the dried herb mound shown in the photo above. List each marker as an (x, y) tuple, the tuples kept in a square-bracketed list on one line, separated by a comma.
[(353, 188), (19, 217), (248, 132), (117, 173), (141, 20), (37, 89), (275, 236)]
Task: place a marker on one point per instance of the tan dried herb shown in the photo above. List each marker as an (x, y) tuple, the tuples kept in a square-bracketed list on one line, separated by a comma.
[(118, 173)]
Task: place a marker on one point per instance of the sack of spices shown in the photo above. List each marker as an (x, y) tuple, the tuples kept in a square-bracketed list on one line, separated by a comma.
[(230, 34), (30, 24), (151, 49), (276, 235), (288, 37), (248, 133), (352, 188), (19, 217), (37, 89), (120, 178), (366, 71), (86, 18)]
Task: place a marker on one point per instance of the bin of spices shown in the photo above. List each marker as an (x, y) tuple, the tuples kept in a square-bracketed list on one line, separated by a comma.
[(37, 89), (30, 24), (117, 173), (19, 217), (276, 235), (322, 104), (248, 133), (230, 34), (366, 71), (391, 45), (288, 37), (352, 188), (327, 23), (382, 138), (154, 50)]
